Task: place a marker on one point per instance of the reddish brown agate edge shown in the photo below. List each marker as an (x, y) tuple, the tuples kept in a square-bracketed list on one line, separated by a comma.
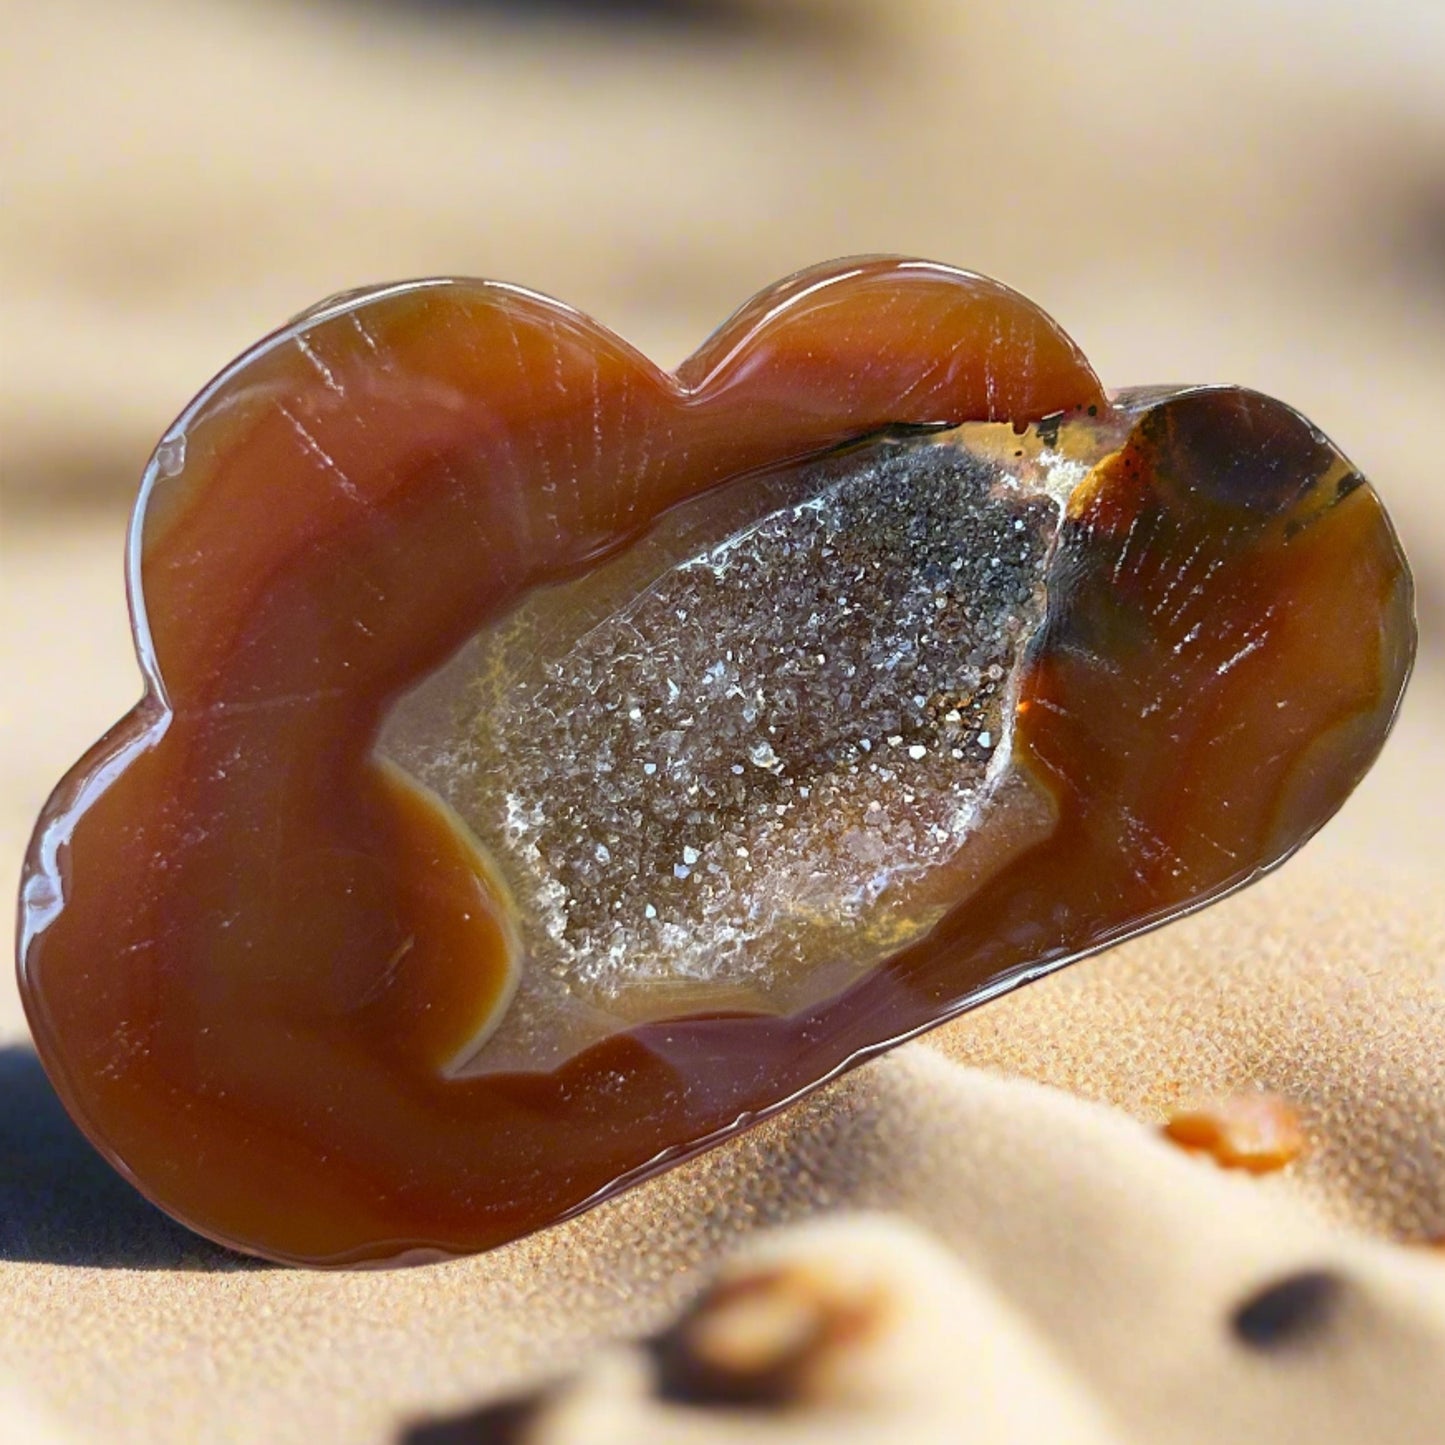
[(216, 894)]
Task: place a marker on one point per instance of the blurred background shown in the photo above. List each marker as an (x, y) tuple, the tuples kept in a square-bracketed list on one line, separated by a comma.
[(1227, 191)]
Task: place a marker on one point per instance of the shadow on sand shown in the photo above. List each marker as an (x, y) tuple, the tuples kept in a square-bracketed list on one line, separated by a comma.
[(61, 1203)]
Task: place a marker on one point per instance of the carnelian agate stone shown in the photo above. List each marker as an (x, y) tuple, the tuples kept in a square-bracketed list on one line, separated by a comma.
[(548, 765)]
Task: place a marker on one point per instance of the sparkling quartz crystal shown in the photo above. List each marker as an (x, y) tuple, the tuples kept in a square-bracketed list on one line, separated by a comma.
[(724, 771), (548, 765)]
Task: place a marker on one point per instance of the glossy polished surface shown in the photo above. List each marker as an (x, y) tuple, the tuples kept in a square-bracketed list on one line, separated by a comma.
[(549, 765)]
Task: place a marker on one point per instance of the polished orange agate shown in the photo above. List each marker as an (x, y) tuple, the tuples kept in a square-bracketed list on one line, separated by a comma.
[(549, 765)]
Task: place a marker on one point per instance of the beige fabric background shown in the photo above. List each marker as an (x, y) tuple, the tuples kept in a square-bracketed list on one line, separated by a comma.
[(1252, 192)]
